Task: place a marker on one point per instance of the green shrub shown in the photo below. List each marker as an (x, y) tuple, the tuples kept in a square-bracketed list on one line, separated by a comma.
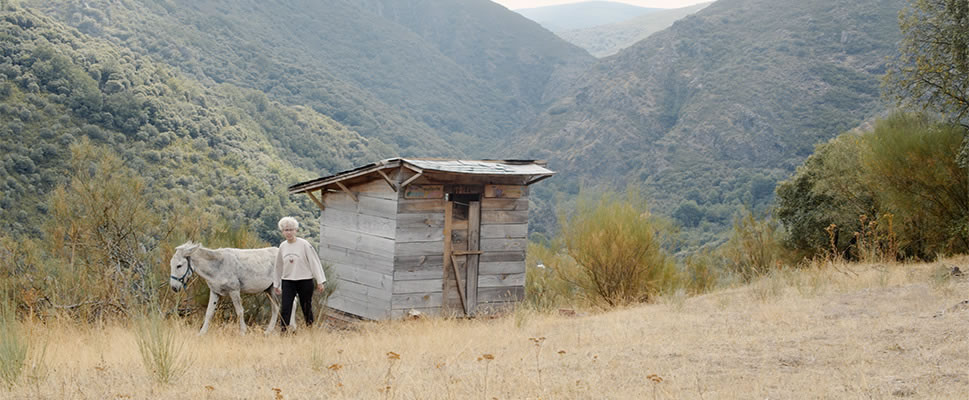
[(897, 191), (617, 247)]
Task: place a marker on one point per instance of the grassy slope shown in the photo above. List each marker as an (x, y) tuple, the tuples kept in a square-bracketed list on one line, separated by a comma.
[(847, 331)]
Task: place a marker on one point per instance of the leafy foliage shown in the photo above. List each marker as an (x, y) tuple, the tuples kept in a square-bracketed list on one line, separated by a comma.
[(897, 189), (616, 245), (931, 69), (820, 205), (105, 229)]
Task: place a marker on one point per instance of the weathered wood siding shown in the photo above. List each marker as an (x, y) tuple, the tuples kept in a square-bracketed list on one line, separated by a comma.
[(358, 238), (504, 241), (419, 257), (418, 276)]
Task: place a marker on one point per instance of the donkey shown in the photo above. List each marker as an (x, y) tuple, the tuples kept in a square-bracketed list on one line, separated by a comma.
[(227, 272)]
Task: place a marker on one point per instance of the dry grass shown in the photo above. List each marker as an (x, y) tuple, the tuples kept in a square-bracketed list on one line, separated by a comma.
[(846, 331)]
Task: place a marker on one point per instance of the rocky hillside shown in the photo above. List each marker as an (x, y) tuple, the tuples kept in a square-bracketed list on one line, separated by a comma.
[(709, 113)]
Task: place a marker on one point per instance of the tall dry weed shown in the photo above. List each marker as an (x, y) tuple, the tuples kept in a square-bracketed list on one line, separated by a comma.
[(14, 346), (770, 286), (164, 352), (754, 248)]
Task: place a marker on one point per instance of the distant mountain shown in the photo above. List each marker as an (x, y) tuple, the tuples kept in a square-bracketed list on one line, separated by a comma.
[(606, 40), (711, 112), (587, 14), (225, 103), (428, 77)]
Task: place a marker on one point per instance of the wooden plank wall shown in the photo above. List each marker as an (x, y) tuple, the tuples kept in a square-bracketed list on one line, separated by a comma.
[(419, 259), (504, 240), (418, 275), (357, 238)]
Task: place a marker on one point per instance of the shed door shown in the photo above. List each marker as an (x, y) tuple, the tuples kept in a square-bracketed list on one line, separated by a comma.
[(462, 230)]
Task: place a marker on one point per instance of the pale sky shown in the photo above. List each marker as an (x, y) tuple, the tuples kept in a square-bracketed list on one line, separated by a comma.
[(517, 4)]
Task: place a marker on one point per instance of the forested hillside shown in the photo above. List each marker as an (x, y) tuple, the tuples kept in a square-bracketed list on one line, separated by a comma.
[(222, 147), (708, 115), (711, 112), (430, 78), (230, 102)]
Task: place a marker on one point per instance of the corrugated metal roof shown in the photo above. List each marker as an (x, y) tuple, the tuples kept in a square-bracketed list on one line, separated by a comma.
[(535, 169), (484, 167)]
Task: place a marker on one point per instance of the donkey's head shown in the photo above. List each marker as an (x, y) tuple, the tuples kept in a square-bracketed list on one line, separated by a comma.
[(182, 265)]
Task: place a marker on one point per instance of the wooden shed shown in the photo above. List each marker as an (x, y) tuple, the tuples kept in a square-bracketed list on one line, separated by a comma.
[(435, 236)]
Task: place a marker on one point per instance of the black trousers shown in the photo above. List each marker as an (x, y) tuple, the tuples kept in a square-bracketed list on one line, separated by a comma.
[(304, 290)]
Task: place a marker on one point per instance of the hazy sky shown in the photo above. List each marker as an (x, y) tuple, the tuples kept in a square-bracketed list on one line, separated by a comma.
[(516, 4)]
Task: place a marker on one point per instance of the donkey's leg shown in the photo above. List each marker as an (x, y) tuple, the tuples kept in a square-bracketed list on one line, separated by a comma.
[(274, 303), (237, 303), (209, 311)]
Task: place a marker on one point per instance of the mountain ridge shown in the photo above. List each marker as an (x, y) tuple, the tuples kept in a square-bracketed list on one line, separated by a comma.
[(582, 15), (727, 101)]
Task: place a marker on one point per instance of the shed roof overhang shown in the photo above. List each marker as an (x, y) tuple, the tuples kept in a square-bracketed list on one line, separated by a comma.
[(530, 171)]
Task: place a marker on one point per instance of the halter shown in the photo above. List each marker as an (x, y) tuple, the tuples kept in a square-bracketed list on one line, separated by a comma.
[(187, 271)]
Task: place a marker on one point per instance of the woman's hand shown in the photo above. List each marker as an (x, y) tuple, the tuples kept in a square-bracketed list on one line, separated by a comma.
[(320, 287), (278, 291)]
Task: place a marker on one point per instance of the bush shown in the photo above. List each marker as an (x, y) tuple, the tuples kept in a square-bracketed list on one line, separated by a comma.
[(103, 234), (615, 243), (754, 248), (701, 272), (898, 191), (912, 162)]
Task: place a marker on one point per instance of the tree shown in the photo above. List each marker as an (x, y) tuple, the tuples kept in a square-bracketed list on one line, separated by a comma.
[(897, 190), (932, 68), (104, 227)]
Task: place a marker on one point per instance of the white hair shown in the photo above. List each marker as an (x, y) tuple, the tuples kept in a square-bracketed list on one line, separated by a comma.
[(288, 222)]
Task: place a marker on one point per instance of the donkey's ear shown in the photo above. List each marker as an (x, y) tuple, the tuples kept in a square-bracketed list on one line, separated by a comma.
[(191, 247)]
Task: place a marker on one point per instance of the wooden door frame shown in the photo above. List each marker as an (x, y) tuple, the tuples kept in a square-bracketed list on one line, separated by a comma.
[(467, 290)]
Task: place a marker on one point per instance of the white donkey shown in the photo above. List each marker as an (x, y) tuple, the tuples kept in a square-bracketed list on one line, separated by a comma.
[(227, 272)]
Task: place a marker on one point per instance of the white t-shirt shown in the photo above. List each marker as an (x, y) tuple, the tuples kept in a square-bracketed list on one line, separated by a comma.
[(296, 261)]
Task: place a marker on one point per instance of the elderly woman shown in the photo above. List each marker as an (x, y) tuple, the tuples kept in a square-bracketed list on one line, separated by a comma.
[(298, 272)]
